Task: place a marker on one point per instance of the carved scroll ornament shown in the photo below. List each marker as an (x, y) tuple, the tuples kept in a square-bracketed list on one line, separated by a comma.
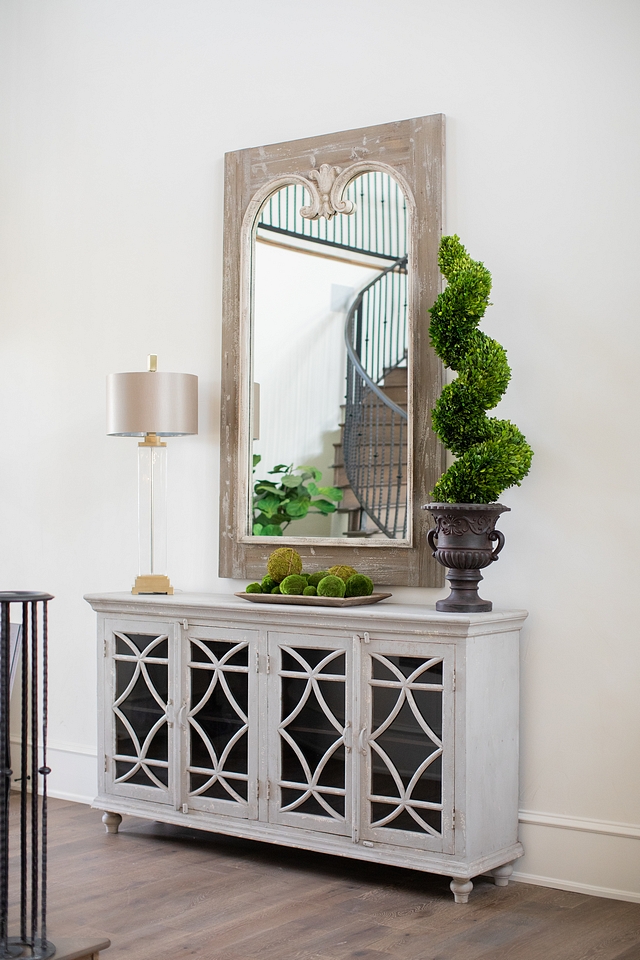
[(325, 189)]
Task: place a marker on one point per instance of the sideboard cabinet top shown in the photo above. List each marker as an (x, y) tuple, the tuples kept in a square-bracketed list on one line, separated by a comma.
[(384, 616)]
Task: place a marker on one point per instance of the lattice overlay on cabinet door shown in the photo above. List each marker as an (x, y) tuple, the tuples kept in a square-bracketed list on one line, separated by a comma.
[(140, 709), (218, 720), (406, 744), (312, 732)]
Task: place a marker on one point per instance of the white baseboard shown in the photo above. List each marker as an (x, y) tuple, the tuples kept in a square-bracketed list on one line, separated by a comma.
[(600, 858), (571, 887), (607, 827), (74, 771)]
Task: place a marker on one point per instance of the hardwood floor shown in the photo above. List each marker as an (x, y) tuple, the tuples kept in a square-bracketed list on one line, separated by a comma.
[(160, 892)]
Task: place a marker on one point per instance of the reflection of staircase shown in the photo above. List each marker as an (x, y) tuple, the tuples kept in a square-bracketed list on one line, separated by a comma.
[(372, 464), (377, 480)]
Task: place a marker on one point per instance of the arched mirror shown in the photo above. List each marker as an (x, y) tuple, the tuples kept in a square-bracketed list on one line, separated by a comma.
[(330, 439), (328, 378)]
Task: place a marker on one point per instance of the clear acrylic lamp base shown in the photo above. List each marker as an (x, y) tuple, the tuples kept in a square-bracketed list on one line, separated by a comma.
[(152, 517)]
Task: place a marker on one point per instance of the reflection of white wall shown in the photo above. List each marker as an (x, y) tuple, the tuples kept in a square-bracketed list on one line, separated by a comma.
[(300, 360)]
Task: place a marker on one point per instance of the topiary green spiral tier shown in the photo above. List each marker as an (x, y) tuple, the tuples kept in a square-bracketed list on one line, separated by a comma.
[(491, 454)]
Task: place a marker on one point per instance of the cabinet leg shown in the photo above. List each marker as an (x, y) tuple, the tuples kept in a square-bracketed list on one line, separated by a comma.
[(461, 888), (111, 821), (501, 874)]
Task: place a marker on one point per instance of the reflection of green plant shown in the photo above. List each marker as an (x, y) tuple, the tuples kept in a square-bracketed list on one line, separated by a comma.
[(289, 496)]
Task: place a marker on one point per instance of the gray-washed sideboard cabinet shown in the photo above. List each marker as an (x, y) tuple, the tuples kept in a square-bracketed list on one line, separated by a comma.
[(388, 733)]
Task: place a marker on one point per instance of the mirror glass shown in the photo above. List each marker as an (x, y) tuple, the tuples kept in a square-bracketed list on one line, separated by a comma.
[(329, 356)]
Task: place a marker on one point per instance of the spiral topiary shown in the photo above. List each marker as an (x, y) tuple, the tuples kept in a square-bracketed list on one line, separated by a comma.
[(491, 454)]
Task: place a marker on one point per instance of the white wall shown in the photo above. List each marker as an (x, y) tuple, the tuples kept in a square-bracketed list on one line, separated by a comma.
[(114, 118)]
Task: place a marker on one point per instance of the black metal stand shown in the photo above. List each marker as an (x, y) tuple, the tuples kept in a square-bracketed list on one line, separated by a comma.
[(32, 862)]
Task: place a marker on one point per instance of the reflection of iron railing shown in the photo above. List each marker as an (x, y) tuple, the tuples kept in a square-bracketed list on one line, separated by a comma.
[(375, 427), (378, 225)]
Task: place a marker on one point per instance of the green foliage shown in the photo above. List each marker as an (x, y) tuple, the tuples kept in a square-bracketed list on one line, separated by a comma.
[(290, 496), (358, 586), (309, 591), (254, 588), (268, 583), (293, 585), (492, 454), (331, 587)]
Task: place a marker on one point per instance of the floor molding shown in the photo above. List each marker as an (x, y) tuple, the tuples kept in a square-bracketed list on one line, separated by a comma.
[(593, 891), (607, 827), (74, 766), (61, 746)]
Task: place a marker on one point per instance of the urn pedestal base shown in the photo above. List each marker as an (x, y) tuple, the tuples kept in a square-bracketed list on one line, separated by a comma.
[(464, 593), (465, 540)]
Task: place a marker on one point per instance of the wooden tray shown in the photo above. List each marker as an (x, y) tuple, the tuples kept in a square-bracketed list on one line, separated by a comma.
[(313, 601)]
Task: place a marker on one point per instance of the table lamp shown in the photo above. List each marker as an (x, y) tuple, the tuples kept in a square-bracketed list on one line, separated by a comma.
[(152, 405)]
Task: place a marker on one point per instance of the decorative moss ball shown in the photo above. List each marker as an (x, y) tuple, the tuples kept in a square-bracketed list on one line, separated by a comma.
[(276, 589), (315, 578), (309, 591), (358, 586), (331, 586), (268, 583), (342, 571), (254, 588), (282, 562), (294, 584)]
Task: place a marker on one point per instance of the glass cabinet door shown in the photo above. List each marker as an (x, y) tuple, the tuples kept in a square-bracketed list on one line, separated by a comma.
[(139, 729), (310, 730), (406, 743), (219, 716)]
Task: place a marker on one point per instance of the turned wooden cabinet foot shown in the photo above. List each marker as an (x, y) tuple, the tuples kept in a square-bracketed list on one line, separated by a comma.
[(111, 821), (501, 874), (461, 888)]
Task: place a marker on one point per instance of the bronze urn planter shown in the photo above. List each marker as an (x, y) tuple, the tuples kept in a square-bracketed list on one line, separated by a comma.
[(465, 540)]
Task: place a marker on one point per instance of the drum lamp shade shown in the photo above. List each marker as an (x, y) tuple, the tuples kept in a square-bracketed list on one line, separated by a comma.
[(162, 403)]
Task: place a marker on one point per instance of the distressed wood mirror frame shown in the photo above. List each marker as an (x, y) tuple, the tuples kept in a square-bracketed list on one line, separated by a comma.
[(412, 151)]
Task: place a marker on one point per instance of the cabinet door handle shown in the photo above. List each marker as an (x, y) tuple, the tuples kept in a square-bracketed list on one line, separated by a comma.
[(181, 713), (347, 737)]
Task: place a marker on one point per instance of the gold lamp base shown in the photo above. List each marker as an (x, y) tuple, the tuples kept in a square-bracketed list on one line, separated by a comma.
[(153, 583)]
